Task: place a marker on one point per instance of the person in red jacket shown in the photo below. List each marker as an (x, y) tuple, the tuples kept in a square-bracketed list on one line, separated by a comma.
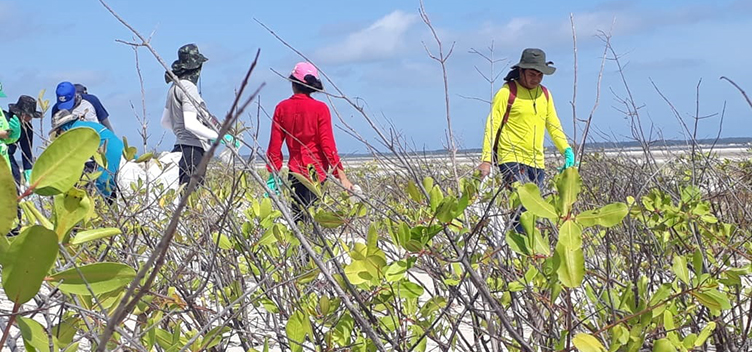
[(305, 126)]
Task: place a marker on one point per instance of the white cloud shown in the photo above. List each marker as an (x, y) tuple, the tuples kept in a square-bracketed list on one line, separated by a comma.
[(383, 39)]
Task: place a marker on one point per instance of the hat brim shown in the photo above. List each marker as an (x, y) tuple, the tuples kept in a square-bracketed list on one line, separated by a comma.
[(14, 109), (544, 69), (67, 105), (191, 65)]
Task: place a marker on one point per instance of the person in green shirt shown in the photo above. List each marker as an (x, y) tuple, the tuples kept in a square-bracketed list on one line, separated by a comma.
[(521, 112), (10, 131)]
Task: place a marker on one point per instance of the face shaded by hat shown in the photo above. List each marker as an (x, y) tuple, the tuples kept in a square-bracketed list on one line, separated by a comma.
[(535, 59), (66, 95), (26, 105), (188, 65)]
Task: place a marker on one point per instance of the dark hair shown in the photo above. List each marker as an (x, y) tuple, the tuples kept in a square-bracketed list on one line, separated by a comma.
[(513, 75), (311, 84)]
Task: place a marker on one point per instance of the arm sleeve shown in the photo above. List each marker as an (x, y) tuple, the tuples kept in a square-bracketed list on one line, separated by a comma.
[(166, 122), (26, 142), (274, 152), (190, 113), (106, 123), (327, 143), (193, 125), (553, 125), (102, 113), (493, 123)]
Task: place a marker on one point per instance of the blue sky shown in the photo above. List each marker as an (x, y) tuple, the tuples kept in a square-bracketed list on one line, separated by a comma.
[(373, 51)]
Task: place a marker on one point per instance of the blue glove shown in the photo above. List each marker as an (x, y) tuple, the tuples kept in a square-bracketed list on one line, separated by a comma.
[(271, 182), (15, 128), (27, 175), (230, 140)]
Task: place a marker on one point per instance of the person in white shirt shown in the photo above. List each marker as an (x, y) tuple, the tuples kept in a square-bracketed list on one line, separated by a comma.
[(68, 99), (182, 109)]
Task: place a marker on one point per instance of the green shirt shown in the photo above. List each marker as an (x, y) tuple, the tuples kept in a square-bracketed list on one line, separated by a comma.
[(4, 126)]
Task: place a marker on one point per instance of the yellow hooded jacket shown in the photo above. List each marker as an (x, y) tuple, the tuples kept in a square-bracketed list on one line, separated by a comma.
[(521, 139)]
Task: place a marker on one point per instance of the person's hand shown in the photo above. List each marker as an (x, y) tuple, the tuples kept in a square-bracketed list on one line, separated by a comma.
[(347, 184), (15, 128), (229, 140), (344, 180), (485, 169), (271, 182), (27, 175), (569, 160)]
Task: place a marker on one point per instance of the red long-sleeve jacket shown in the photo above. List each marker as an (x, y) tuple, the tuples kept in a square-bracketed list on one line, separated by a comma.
[(305, 126)]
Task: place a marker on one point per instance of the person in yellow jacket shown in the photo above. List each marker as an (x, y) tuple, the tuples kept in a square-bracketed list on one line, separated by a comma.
[(521, 112)]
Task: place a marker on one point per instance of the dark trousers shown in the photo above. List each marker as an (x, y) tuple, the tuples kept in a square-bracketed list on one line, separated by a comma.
[(191, 157), (302, 198), (25, 142), (516, 172)]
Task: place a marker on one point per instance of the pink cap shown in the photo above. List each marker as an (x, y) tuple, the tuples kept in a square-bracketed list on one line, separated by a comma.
[(303, 69)]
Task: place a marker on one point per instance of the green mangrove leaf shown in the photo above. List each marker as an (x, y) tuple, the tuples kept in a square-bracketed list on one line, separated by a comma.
[(680, 269), (435, 196), (101, 278), (8, 198), (540, 245), (663, 345), (713, 299), (568, 184), (60, 165), (395, 271), (704, 334), (35, 337), (222, 240), (414, 192), (517, 242), (531, 199), (96, 234), (445, 209), (357, 272), (70, 209), (297, 328), (328, 219), (608, 216), (572, 267), (587, 343), (29, 259), (570, 234), (409, 289), (72, 348)]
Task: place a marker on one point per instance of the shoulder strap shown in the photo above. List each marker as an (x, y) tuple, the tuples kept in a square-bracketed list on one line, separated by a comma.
[(512, 96), (545, 92), (175, 93)]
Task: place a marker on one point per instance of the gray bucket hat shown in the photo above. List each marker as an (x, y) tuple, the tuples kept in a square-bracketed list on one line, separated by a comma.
[(535, 59)]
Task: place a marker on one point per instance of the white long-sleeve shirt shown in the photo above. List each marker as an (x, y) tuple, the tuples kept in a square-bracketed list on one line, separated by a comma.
[(181, 116)]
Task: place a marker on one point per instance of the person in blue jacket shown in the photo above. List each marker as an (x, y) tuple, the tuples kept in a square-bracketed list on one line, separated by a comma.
[(63, 121)]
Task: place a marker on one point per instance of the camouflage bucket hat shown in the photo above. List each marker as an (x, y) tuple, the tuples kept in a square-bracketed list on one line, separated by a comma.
[(189, 58), (535, 59), (25, 105)]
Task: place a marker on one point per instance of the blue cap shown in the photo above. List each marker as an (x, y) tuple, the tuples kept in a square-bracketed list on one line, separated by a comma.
[(66, 95)]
